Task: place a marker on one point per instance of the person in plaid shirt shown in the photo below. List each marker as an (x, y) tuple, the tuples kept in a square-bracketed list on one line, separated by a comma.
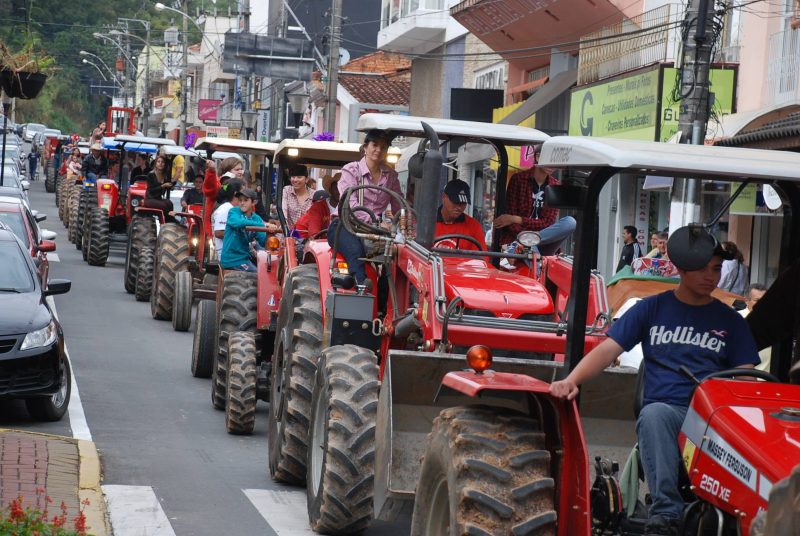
[(526, 210)]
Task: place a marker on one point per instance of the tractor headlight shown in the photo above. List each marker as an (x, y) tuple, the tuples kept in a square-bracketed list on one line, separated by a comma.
[(41, 337), (88, 184), (194, 241), (135, 202), (529, 238)]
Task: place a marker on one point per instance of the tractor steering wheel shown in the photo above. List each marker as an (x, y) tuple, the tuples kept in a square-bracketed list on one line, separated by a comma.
[(457, 237), (753, 373)]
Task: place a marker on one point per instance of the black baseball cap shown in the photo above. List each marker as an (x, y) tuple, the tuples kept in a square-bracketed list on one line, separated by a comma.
[(691, 248), (247, 192), (458, 191)]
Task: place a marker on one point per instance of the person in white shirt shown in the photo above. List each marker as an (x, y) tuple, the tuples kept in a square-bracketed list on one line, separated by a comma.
[(219, 218)]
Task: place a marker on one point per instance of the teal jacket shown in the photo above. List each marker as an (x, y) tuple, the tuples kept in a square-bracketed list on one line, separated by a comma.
[(236, 244)]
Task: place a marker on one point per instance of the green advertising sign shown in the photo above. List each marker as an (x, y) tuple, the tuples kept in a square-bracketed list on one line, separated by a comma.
[(622, 108), (723, 85)]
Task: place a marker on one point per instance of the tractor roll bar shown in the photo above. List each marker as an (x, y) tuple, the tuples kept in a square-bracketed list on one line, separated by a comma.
[(426, 200)]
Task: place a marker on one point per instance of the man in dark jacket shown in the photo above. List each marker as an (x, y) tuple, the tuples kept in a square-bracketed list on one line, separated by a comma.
[(631, 250), (95, 164)]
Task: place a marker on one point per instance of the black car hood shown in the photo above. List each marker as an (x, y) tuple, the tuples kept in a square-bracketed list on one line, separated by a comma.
[(21, 313)]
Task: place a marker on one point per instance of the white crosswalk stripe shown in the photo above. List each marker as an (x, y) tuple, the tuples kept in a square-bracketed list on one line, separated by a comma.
[(285, 511), (136, 511)]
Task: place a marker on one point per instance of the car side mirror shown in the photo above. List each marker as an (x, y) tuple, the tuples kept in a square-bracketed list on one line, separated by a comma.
[(25, 185), (565, 196), (40, 217), (49, 235), (46, 246), (57, 286)]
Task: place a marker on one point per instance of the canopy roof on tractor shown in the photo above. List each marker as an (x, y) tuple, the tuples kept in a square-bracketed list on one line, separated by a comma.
[(235, 145)]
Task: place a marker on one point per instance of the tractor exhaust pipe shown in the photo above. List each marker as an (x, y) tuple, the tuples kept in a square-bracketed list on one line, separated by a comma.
[(427, 198)]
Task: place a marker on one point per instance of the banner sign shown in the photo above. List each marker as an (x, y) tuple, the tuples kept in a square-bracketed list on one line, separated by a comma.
[(207, 109)]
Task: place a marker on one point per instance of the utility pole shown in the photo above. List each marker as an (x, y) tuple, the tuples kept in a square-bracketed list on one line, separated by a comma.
[(333, 65), (277, 117), (694, 106), (184, 73), (248, 80), (146, 107)]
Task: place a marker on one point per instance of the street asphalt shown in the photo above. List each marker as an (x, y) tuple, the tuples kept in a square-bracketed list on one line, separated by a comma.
[(153, 423)]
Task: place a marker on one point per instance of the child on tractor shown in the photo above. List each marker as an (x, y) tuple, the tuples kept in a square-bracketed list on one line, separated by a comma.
[(686, 334), (236, 244)]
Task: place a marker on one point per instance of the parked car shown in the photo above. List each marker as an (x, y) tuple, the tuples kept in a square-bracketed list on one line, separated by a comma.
[(33, 363), (13, 185), (24, 223), (31, 129)]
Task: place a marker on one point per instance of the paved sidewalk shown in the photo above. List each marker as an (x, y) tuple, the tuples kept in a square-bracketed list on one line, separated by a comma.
[(67, 469)]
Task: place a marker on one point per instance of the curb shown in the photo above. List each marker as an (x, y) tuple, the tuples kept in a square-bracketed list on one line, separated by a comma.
[(90, 476)]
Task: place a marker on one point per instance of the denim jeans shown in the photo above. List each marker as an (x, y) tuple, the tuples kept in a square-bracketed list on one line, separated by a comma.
[(91, 175), (553, 236), (657, 429), (351, 248), (246, 267)]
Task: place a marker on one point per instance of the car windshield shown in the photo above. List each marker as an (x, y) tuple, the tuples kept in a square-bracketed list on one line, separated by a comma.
[(15, 276), (14, 221)]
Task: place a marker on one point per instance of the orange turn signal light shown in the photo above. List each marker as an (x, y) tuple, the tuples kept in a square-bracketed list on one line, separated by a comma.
[(273, 243), (105, 187), (479, 358)]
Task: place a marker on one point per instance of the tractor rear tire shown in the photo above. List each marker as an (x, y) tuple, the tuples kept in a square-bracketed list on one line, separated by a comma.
[(72, 217), (86, 228), (98, 237), (142, 233), (237, 312), (485, 471), (298, 343), (341, 456), (240, 391), (57, 189), (144, 275), (203, 344), (182, 302), (783, 512), (83, 208), (50, 182), (172, 256)]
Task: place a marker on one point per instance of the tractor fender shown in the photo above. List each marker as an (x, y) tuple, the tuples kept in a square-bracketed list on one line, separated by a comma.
[(269, 289)]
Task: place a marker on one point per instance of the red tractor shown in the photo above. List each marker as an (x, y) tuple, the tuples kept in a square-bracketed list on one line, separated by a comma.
[(738, 440), (117, 217), (249, 303), (120, 121), (183, 273)]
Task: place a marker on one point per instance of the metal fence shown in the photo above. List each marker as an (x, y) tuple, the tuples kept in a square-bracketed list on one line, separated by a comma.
[(784, 66), (652, 37)]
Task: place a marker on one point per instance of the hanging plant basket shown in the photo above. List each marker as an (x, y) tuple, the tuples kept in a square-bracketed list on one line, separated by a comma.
[(22, 84)]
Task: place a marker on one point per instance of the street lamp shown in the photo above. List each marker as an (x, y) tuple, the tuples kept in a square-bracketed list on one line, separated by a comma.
[(146, 93), (98, 58), (184, 93), (249, 118), (93, 64)]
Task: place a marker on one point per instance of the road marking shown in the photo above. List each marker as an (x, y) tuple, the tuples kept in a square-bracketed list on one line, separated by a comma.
[(77, 418), (285, 511), (136, 511), (53, 257)]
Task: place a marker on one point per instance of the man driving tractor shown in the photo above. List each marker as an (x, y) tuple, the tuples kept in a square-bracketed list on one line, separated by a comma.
[(451, 218), (682, 332)]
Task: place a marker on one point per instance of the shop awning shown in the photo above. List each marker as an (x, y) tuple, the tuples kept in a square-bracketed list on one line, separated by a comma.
[(740, 122), (557, 85)]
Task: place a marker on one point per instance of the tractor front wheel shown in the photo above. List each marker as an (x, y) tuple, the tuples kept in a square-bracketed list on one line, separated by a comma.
[(182, 302), (144, 274), (172, 256), (50, 182), (237, 312), (98, 237), (240, 392), (341, 456), (485, 471), (72, 216), (142, 233), (203, 344), (298, 343)]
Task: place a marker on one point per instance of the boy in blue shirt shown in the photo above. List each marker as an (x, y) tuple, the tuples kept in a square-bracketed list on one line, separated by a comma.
[(236, 244), (688, 327)]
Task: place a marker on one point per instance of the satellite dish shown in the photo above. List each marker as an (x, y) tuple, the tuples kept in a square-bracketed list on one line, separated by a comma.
[(344, 57)]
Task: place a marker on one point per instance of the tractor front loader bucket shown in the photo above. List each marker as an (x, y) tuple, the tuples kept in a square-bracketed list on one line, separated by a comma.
[(410, 398)]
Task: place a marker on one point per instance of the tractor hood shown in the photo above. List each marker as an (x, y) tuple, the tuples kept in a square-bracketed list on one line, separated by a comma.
[(21, 313), (759, 421), (486, 290)]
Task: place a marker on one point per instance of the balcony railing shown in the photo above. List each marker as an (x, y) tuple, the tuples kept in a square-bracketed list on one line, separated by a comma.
[(649, 38), (784, 66)]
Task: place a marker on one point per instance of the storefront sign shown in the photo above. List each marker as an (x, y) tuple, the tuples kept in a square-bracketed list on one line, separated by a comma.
[(517, 159), (217, 132), (207, 109), (622, 108), (262, 125), (745, 204), (723, 86)]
